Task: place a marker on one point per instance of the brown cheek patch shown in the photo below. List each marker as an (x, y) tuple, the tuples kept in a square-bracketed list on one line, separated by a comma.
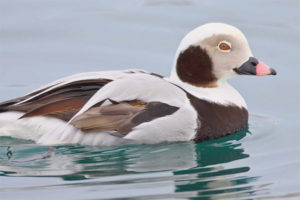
[(194, 66)]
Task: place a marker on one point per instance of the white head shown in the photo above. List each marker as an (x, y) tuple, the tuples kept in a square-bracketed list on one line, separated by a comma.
[(214, 52)]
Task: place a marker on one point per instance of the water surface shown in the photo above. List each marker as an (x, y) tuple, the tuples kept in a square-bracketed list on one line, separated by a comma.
[(41, 41)]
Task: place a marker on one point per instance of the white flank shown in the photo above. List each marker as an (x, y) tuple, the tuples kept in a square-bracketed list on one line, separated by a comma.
[(180, 126), (143, 87)]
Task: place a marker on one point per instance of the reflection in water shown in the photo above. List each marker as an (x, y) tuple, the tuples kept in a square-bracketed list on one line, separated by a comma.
[(185, 168)]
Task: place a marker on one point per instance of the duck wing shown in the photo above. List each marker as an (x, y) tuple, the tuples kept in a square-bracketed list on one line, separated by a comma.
[(62, 98), (121, 117), (61, 102)]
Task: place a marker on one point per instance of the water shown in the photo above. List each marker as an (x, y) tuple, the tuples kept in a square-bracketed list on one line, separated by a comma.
[(41, 41)]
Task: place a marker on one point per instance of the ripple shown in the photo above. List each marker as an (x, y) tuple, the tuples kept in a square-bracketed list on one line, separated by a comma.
[(216, 169)]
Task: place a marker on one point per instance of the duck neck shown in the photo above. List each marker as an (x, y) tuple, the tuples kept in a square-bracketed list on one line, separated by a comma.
[(222, 92)]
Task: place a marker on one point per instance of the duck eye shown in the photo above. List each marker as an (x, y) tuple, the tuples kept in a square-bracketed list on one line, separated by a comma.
[(224, 46)]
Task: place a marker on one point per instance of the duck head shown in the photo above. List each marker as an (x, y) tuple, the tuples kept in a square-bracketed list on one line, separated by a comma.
[(213, 53)]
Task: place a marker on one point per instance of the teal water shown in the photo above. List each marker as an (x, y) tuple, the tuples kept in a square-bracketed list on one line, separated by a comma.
[(41, 41)]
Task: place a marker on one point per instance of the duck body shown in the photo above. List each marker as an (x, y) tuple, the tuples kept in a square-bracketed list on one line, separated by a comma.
[(135, 106)]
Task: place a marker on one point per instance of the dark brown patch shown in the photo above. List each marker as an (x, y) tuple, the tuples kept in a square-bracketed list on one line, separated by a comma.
[(121, 117), (62, 102), (217, 120), (194, 66), (154, 110)]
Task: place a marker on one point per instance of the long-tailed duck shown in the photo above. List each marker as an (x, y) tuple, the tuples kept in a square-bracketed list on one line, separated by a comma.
[(134, 106)]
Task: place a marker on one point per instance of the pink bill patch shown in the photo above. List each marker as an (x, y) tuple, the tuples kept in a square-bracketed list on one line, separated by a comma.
[(262, 69)]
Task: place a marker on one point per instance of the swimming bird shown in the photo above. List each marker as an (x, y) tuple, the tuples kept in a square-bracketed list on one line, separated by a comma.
[(195, 103)]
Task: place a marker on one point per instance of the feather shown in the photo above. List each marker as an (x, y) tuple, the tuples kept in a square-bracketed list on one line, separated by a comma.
[(121, 117), (61, 102), (62, 109)]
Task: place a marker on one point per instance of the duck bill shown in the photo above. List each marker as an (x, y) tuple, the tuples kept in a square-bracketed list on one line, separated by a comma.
[(254, 67)]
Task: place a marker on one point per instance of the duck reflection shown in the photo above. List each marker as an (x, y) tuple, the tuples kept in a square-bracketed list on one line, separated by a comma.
[(182, 167), (99, 161)]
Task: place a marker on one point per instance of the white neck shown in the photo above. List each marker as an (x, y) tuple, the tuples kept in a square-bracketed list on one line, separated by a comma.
[(222, 94)]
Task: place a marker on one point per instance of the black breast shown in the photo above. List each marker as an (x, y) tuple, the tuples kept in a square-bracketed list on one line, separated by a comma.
[(217, 120)]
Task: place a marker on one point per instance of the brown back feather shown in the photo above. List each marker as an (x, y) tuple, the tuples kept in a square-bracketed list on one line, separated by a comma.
[(62, 102)]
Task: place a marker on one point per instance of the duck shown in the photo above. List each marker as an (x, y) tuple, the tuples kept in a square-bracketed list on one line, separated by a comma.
[(195, 103)]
